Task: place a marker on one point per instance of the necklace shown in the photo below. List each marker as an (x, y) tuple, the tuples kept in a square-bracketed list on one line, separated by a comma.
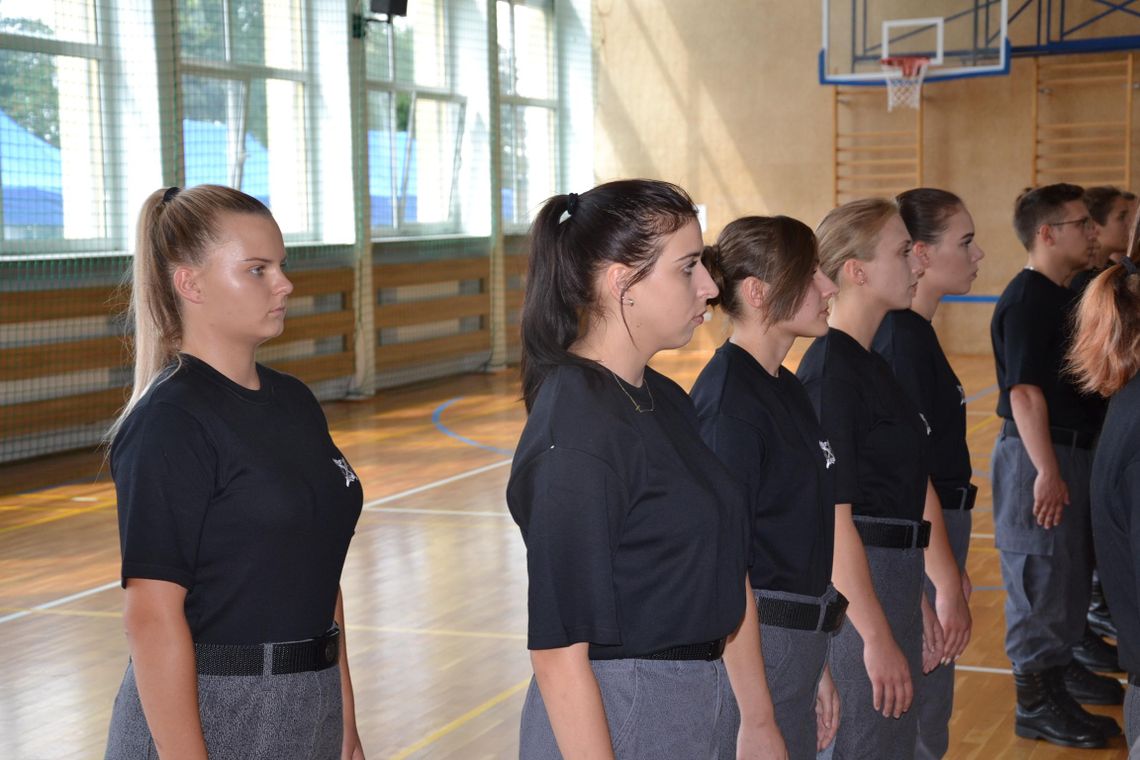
[(637, 407)]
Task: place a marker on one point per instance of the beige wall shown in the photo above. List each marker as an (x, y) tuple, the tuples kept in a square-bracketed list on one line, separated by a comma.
[(724, 100)]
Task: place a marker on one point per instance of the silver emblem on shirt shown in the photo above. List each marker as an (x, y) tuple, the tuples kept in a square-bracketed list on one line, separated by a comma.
[(828, 455), (922, 417), (346, 470), (962, 393)]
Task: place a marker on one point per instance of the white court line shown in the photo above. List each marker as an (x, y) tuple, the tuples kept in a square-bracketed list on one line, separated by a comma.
[(436, 484), (1001, 671), (981, 535), (60, 601), (462, 513)]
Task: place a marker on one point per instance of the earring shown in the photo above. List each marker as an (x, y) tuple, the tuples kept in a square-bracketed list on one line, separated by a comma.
[(629, 301)]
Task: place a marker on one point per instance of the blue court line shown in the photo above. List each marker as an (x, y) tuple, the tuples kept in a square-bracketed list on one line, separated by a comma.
[(981, 394), (437, 420), (970, 299)]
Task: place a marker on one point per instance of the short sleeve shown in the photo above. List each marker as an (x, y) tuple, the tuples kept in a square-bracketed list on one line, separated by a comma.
[(570, 506), (839, 410), (1026, 346), (164, 470)]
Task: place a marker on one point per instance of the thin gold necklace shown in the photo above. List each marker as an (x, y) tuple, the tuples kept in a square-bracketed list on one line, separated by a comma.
[(637, 407)]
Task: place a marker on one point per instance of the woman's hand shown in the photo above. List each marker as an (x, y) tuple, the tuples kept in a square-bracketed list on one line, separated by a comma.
[(933, 640), (351, 748), (891, 687), (826, 710), (760, 743), (954, 617)]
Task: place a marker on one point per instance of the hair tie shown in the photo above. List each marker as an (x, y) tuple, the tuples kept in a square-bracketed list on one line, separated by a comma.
[(1129, 265), (168, 196), (571, 204)]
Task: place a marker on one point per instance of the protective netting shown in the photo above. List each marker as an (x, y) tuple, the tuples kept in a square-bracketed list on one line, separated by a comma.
[(402, 159)]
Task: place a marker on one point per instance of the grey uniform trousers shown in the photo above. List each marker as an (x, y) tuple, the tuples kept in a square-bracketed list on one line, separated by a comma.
[(934, 691), (298, 716), (897, 576), (1046, 573), (1132, 722), (793, 664), (655, 709)]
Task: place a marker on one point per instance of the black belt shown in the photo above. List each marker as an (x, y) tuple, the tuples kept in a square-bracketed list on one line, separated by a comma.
[(907, 535), (960, 498), (1061, 436), (709, 650), (803, 616), (251, 660)]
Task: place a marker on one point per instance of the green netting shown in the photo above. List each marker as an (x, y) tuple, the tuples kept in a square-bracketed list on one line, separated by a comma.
[(427, 141)]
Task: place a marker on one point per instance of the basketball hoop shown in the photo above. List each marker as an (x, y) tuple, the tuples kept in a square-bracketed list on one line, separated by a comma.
[(904, 75)]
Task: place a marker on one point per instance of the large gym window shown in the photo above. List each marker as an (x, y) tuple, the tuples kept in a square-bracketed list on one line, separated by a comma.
[(243, 102), (528, 107), (416, 122), (53, 190)]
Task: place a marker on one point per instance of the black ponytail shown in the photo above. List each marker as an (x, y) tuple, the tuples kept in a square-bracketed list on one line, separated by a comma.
[(926, 212), (572, 239)]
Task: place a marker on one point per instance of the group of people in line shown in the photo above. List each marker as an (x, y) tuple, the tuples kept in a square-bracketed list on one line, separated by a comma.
[(771, 565)]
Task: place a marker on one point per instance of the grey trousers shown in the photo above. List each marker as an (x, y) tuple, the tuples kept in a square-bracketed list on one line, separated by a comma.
[(298, 716), (1132, 722), (655, 709), (934, 691), (1046, 573), (793, 664), (897, 576)]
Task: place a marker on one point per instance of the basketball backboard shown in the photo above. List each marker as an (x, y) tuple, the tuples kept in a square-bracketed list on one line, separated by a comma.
[(962, 38)]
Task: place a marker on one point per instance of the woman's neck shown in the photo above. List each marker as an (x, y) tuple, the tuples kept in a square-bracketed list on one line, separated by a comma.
[(238, 365), (856, 317), (926, 301), (614, 350), (768, 345)]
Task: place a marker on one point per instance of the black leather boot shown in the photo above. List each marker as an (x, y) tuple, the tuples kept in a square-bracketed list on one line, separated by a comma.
[(1095, 653), (1103, 723), (1041, 716), (1098, 616), (1090, 689)]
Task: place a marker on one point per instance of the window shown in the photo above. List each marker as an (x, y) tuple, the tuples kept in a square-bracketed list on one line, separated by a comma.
[(528, 107), (416, 122), (243, 106), (53, 192)]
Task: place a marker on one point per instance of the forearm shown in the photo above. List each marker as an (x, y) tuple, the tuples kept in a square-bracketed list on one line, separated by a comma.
[(573, 702), (851, 576), (941, 567), (162, 652), (745, 665), (347, 698), (1031, 415)]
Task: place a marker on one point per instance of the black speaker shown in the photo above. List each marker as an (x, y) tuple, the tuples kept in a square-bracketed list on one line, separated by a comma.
[(389, 7)]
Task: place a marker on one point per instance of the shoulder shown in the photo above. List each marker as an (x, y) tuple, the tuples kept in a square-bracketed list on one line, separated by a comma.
[(575, 408)]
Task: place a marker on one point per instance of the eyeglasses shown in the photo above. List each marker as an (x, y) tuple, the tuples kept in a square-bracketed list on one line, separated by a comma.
[(1086, 223)]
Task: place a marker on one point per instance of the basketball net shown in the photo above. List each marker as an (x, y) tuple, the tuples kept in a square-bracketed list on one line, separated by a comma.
[(905, 88)]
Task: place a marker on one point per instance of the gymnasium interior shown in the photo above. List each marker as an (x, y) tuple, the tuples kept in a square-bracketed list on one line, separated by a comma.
[(404, 152)]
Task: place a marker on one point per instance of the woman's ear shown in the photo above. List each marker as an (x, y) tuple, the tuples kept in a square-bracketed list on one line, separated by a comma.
[(754, 291), (616, 279), (853, 271), (187, 285), (921, 251)]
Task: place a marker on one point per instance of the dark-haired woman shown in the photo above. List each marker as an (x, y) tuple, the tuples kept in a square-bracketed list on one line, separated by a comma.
[(757, 417), (1106, 357), (943, 234), (235, 507), (879, 443), (635, 532)]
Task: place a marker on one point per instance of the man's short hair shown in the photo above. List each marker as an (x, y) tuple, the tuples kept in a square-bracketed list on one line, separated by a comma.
[(1041, 205), (1100, 201)]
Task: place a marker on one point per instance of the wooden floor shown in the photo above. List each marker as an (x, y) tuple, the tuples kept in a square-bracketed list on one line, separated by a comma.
[(434, 583)]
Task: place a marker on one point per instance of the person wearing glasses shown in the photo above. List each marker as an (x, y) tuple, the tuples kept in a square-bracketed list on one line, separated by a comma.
[(1041, 464)]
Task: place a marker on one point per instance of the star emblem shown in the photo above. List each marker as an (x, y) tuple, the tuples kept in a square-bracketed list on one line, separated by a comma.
[(922, 417), (828, 455), (346, 470), (962, 393)]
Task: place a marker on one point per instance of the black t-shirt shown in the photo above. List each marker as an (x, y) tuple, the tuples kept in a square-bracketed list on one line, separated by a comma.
[(878, 437), (1082, 279), (765, 430), (636, 534), (241, 497), (1115, 491), (910, 346), (1030, 332)]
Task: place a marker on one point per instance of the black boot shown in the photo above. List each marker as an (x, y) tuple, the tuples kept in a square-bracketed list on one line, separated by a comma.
[(1099, 617), (1095, 653), (1090, 689), (1103, 723), (1041, 716)]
